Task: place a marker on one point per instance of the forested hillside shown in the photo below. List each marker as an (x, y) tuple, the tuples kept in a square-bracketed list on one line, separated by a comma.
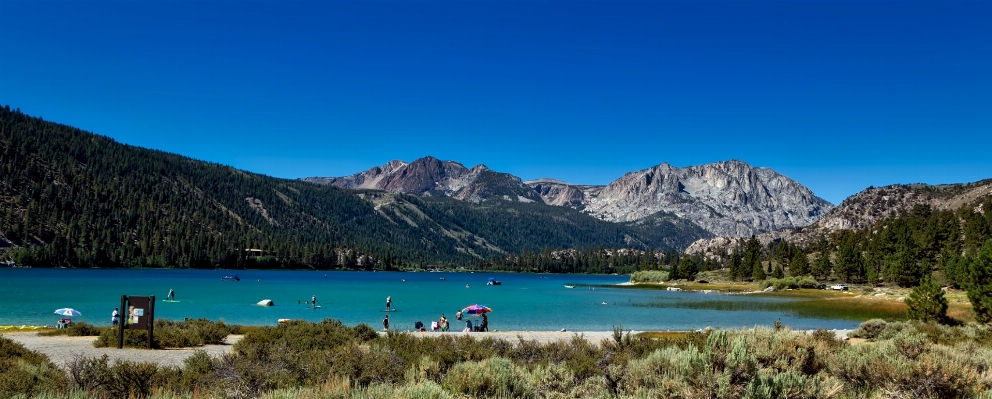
[(69, 197)]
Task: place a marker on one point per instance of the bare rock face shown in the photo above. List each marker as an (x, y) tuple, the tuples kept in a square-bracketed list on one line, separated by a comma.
[(430, 176), (726, 198), (559, 193), (864, 209)]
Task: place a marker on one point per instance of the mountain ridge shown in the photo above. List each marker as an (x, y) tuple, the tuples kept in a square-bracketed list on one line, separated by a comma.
[(725, 198), (864, 209), (73, 198)]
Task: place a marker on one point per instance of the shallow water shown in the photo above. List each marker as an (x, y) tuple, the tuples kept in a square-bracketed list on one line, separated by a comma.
[(526, 302)]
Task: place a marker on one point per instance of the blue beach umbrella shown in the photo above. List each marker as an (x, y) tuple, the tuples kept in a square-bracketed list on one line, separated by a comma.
[(68, 312)]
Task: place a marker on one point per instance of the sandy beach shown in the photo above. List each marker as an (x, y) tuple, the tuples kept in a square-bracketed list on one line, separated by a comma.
[(62, 349)]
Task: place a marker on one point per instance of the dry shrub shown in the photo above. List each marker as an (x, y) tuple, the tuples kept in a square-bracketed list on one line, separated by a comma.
[(488, 378), (26, 372)]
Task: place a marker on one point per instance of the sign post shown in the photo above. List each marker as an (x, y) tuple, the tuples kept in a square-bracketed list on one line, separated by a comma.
[(140, 316)]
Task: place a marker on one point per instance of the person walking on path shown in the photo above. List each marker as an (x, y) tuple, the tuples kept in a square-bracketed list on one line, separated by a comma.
[(115, 317), (385, 323), (389, 303)]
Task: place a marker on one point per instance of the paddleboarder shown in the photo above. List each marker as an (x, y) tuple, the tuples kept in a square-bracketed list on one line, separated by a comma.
[(313, 302), (389, 303), (172, 295)]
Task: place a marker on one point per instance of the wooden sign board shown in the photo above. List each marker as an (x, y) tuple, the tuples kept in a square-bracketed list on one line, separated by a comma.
[(140, 316)]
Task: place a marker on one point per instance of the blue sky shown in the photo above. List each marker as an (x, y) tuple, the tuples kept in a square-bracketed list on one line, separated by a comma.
[(838, 95)]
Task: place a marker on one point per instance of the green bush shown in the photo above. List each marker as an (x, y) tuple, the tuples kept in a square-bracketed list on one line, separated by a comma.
[(869, 329), (26, 372), (78, 329), (487, 378), (906, 359), (171, 334), (789, 283), (649, 276)]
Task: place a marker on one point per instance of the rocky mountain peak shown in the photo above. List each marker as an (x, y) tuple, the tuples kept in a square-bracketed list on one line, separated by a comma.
[(864, 209), (429, 176), (729, 198)]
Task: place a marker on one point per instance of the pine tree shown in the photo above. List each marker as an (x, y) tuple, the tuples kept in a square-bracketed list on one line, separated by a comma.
[(980, 283), (752, 259), (927, 302), (736, 266), (800, 264), (822, 267), (758, 272), (849, 265), (688, 269), (778, 272)]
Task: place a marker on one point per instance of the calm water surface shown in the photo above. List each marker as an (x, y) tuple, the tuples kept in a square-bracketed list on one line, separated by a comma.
[(529, 302)]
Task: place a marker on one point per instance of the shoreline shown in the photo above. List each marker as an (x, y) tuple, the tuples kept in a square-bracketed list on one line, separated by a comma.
[(61, 350)]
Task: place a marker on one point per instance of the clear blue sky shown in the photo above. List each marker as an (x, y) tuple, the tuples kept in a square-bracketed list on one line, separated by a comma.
[(838, 95)]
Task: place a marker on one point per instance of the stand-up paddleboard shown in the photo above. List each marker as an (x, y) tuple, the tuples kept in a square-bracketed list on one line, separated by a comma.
[(169, 300), (390, 310)]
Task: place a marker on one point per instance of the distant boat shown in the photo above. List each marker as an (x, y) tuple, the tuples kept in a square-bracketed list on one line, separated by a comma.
[(231, 278), (493, 281), (569, 286)]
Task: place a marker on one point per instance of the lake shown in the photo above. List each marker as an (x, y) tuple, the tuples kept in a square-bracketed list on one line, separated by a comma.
[(525, 302)]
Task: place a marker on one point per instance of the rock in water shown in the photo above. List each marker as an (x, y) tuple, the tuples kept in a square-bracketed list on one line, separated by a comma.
[(265, 302)]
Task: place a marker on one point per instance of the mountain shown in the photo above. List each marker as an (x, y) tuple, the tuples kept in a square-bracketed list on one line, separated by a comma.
[(70, 197), (866, 208), (728, 198), (725, 198), (432, 177)]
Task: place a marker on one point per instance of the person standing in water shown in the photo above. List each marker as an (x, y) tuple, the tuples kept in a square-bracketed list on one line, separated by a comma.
[(385, 323), (389, 303), (172, 295)]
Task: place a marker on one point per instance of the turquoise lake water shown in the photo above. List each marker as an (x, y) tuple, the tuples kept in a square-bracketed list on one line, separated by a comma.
[(526, 302)]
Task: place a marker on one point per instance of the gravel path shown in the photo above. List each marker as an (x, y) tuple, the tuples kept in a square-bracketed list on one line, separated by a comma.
[(61, 349)]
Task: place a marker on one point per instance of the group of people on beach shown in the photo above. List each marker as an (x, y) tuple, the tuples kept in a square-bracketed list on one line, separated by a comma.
[(441, 324)]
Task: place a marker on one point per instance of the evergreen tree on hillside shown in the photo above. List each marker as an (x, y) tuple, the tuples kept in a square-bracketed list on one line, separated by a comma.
[(980, 283), (926, 302), (752, 259), (799, 266), (778, 272), (688, 269), (736, 266), (822, 267), (850, 265)]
